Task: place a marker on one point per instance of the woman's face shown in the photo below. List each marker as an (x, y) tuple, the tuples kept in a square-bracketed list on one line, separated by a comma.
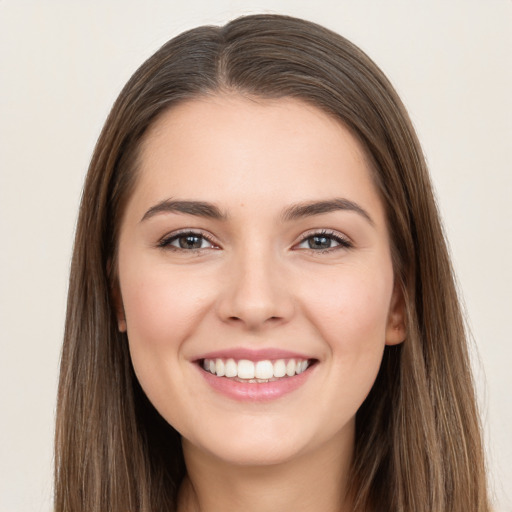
[(256, 283)]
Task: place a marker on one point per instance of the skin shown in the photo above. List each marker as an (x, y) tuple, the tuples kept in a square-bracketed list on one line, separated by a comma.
[(257, 284)]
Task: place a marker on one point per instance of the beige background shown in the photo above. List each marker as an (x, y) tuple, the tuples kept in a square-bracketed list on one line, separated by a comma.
[(62, 65)]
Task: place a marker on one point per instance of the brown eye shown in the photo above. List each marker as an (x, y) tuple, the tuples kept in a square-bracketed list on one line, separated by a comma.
[(188, 241), (319, 242)]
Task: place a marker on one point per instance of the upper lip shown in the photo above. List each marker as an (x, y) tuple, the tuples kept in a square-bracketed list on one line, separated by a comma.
[(253, 354)]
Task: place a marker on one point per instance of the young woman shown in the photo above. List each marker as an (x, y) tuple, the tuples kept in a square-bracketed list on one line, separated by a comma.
[(262, 313)]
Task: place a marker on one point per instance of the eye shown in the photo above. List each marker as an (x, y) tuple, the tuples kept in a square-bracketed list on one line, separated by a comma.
[(187, 241), (323, 241)]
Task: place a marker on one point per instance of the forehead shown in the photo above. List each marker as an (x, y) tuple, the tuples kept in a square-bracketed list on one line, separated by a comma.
[(229, 146)]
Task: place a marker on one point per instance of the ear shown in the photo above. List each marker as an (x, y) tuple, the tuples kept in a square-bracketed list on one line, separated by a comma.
[(119, 309), (115, 294), (117, 300), (396, 328)]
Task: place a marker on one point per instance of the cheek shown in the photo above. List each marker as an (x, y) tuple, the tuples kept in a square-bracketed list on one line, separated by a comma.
[(162, 310), (352, 319), (151, 311), (355, 305)]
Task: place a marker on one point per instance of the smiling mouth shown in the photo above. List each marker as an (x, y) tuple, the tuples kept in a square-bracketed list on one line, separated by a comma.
[(259, 372)]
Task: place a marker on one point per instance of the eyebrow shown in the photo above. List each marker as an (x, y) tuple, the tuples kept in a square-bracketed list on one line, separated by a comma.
[(294, 212), (197, 208), (311, 208)]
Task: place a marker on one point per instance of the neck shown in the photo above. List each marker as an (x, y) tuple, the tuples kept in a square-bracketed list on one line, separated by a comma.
[(310, 482)]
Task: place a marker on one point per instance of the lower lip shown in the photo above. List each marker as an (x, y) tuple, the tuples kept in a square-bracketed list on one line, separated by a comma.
[(256, 392)]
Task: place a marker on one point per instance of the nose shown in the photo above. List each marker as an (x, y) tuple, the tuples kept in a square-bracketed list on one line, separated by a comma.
[(255, 293)]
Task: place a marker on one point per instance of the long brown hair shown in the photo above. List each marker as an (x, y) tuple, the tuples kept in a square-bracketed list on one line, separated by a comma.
[(418, 445)]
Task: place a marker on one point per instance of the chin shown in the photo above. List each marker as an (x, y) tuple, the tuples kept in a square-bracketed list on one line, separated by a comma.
[(255, 453), (265, 442)]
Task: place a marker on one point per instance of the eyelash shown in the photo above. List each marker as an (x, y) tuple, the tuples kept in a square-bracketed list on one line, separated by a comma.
[(343, 243), (165, 243)]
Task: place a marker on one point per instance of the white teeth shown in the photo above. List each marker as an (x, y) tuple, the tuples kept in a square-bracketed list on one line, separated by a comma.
[(290, 368), (261, 371), (264, 370), (231, 368), (279, 368), (220, 368), (245, 369)]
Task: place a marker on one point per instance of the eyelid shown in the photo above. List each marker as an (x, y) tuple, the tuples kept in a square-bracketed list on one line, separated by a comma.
[(165, 241), (343, 241)]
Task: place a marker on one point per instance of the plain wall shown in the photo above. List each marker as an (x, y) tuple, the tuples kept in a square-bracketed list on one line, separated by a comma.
[(63, 63)]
